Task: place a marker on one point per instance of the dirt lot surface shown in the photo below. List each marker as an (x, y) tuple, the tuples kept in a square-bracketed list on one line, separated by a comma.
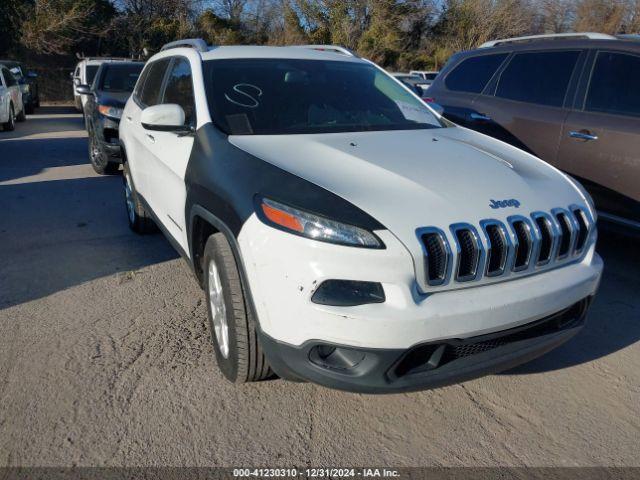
[(105, 357)]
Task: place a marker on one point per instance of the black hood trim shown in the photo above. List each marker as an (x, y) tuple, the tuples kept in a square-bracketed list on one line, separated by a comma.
[(224, 180)]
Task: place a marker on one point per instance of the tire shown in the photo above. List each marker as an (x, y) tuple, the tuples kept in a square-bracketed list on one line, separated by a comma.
[(22, 116), (139, 220), (99, 160), (239, 355), (29, 109), (10, 125)]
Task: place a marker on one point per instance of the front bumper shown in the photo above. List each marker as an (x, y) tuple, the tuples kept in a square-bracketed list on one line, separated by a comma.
[(107, 137), (424, 366), (284, 271)]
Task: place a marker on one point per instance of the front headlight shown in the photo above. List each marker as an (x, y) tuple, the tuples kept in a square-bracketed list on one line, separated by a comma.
[(26, 88), (315, 227), (111, 112)]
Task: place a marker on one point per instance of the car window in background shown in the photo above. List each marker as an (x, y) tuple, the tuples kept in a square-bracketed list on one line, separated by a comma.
[(430, 76), (91, 73), (473, 74), (150, 94), (9, 79), (614, 84), (541, 78), (254, 96), (120, 78), (179, 89)]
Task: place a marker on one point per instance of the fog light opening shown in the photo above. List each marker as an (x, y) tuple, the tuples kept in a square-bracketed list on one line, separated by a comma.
[(335, 358), (348, 293)]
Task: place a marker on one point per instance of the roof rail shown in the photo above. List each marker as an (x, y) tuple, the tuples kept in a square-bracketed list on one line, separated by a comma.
[(551, 36), (329, 48), (197, 43)]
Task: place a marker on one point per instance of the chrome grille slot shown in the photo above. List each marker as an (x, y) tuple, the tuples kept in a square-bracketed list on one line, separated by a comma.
[(468, 254), (524, 244), (583, 229), (565, 234), (498, 249), (545, 229), (436, 252)]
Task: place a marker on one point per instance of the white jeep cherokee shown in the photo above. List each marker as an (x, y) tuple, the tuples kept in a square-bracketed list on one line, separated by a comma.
[(342, 231)]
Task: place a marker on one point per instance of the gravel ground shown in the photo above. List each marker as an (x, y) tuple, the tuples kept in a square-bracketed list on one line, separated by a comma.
[(105, 357)]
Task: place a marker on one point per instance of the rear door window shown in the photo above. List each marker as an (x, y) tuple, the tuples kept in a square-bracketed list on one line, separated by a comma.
[(150, 94), (614, 84), (473, 74), (539, 77)]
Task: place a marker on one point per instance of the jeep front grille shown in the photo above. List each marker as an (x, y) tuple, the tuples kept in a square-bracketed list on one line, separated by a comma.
[(468, 253), (524, 243), (547, 236), (436, 256), (521, 245), (583, 228), (497, 248), (565, 233)]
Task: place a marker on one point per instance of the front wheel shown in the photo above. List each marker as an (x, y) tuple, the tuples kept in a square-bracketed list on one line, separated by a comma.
[(139, 220), (99, 160), (233, 327), (10, 124), (22, 116)]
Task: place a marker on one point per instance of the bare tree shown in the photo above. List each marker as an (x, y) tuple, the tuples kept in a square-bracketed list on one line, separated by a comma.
[(606, 16), (55, 26)]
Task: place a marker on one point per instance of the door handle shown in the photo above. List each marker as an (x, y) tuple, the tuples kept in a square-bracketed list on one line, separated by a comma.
[(129, 118), (583, 135), (480, 117), (151, 138)]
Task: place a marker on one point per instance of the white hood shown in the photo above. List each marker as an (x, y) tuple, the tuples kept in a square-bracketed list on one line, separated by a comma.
[(419, 178)]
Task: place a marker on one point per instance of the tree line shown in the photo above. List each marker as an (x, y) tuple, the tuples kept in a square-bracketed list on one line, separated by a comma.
[(398, 34)]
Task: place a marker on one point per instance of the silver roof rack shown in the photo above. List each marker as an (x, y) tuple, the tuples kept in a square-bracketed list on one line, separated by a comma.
[(551, 36), (197, 43), (329, 48)]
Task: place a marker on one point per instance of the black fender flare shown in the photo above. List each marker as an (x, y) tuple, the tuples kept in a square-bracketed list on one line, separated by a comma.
[(199, 211)]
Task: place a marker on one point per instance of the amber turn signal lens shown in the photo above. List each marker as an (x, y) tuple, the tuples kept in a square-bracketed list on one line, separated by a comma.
[(281, 218)]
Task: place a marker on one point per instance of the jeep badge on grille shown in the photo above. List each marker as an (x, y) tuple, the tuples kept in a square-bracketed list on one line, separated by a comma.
[(512, 202)]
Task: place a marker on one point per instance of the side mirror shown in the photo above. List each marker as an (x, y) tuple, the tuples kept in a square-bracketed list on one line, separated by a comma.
[(83, 90), (169, 117), (32, 75)]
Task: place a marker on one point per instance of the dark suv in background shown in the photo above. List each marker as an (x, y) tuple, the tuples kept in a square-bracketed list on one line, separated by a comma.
[(28, 85), (571, 99), (106, 97)]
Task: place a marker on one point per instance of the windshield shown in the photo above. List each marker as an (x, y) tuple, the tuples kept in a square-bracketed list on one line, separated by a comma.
[(120, 78), (283, 96)]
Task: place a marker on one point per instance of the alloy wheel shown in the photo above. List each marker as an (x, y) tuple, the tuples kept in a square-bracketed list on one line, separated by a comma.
[(218, 310)]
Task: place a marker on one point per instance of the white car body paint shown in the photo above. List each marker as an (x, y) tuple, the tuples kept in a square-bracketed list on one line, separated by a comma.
[(9, 95), (284, 271)]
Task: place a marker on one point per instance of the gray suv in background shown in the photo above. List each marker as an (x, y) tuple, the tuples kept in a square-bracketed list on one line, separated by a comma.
[(571, 99)]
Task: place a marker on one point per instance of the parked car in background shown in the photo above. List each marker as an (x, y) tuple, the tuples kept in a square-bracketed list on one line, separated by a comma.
[(427, 75), (84, 74), (105, 99), (28, 85), (414, 82), (11, 105), (343, 233), (571, 99)]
